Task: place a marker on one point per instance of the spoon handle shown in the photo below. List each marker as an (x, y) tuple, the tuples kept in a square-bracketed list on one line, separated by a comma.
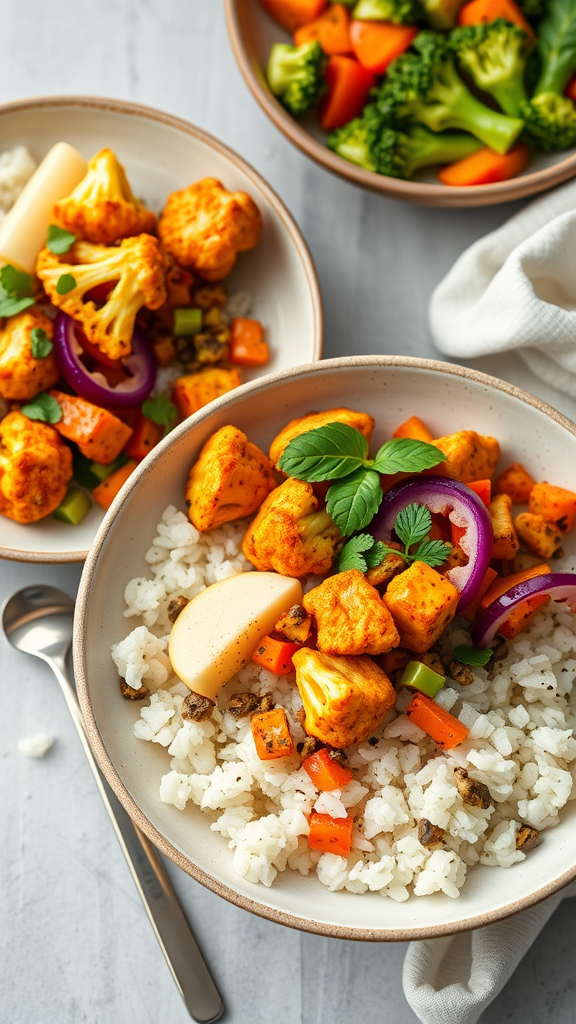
[(183, 956)]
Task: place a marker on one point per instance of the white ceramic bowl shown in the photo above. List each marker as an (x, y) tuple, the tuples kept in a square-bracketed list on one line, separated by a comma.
[(162, 153), (391, 388)]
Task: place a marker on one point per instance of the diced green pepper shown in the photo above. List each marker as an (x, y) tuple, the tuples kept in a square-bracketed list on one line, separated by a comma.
[(187, 322), (74, 508), (102, 472), (417, 676)]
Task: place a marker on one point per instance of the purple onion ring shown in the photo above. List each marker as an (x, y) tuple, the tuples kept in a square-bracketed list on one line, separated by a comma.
[(561, 586)]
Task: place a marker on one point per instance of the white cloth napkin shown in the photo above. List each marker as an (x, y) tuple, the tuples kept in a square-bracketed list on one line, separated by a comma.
[(452, 980), (516, 289)]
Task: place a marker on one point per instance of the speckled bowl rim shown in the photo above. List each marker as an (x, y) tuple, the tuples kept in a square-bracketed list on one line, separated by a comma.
[(261, 185), (238, 15), (96, 742)]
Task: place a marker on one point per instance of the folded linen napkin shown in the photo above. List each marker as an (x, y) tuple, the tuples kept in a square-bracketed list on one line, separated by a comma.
[(516, 289), (452, 980)]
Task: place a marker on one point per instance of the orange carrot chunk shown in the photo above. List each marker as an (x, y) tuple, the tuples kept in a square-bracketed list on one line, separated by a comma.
[(291, 14), (247, 344), (516, 483), (146, 436), (481, 12), (275, 655), (348, 86), (415, 430), (485, 166), (105, 492), (377, 43), (99, 434), (555, 504), (271, 734), (434, 720), (331, 29), (326, 774), (483, 488), (523, 613), (330, 835), (474, 606)]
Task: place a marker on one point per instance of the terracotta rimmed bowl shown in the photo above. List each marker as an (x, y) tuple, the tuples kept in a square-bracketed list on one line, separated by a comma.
[(448, 398), (252, 32), (162, 153)]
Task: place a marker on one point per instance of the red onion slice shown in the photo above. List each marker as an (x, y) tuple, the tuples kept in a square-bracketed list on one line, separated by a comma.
[(463, 507), (561, 586)]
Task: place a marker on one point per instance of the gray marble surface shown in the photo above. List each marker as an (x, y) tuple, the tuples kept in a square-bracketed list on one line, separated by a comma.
[(75, 945)]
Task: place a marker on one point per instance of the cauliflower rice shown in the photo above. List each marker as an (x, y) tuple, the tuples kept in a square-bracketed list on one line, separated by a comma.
[(520, 745), (16, 167)]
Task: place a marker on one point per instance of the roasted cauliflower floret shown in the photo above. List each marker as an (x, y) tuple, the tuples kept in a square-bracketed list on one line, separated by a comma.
[(469, 456), (103, 208), (290, 535), (135, 270), (230, 480), (350, 616), (204, 227), (345, 699), (22, 375), (35, 467), (359, 420), (422, 603)]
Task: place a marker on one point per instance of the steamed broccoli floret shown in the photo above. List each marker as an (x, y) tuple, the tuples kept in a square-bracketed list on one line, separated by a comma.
[(494, 55), (296, 75), (425, 86), (400, 12), (359, 141), (442, 14), (550, 116)]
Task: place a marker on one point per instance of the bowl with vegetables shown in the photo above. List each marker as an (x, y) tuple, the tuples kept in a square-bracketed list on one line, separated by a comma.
[(442, 102), (332, 669), (145, 269)]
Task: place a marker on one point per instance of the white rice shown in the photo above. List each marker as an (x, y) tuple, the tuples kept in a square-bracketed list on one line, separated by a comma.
[(16, 167), (520, 745)]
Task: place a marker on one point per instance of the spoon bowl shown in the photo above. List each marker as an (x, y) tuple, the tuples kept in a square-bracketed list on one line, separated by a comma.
[(38, 620)]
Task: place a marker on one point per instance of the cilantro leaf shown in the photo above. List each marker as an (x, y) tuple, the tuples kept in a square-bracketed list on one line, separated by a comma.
[(65, 284), (325, 453), (433, 552), (10, 306), (16, 283), (403, 455), (413, 523), (469, 655), (58, 240), (161, 411), (351, 556), (40, 343), (376, 555), (44, 407), (353, 502)]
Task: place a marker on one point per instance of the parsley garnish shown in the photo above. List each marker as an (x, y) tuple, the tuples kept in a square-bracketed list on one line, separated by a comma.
[(339, 452), (65, 284), (58, 240), (44, 408), (16, 293), (40, 343), (469, 655), (353, 554), (412, 526), (161, 411)]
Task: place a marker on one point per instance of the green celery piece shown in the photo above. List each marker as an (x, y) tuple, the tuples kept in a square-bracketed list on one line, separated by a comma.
[(417, 676), (74, 508), (103, 472), (187, 322)]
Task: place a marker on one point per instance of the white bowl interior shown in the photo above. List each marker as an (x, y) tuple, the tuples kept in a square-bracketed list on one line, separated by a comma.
[(159, 157), (447, 402)]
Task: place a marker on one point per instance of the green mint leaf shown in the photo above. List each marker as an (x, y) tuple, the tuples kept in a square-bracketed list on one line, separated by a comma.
[(326, 453), (353, 502), (11, 307), (433, 552), (376, 555), (161, 411), (16, 283), (40, 343), (351, 556), (44, 408), (58, 240), (413, 523), (403, 455), (65, 284), (468, 655)]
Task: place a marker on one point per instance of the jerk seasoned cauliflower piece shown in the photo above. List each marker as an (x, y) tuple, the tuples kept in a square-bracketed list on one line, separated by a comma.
[(136, 271), (290, 535), (229, 481), (350, 615), (422, 603), (22, 376), (204, 227), (102, 208), (359, 420), (345, 699), (469, 456), (35, 467)]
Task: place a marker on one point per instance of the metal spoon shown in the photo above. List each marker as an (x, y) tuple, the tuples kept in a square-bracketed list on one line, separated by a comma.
[(38, 620)]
